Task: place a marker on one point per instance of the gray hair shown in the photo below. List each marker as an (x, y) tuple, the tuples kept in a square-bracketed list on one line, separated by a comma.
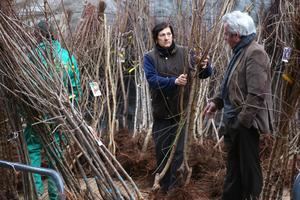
[(239, 22)]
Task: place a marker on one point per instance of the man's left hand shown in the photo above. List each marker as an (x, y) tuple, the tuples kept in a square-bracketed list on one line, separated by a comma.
[(204, 63)]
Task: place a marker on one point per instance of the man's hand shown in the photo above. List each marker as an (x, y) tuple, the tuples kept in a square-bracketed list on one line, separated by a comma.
[(181, 80), (200, 61), (204, 63), (209, 110)]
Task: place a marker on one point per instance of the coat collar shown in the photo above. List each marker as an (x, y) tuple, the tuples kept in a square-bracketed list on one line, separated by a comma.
[(166, 52)]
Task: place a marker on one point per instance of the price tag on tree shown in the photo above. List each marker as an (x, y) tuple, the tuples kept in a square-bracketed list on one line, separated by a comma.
[(95, 89), (286, 54)]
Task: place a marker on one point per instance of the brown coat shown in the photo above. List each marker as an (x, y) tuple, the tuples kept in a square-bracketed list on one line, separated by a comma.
[(249, 89)]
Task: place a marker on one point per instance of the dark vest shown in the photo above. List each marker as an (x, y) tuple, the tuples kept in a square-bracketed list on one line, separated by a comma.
[(166, 102)]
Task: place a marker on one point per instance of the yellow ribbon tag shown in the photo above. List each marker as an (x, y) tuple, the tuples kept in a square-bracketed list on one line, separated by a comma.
[(288, 78)]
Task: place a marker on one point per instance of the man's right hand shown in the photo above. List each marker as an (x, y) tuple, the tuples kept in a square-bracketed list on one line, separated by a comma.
[(210, 110)]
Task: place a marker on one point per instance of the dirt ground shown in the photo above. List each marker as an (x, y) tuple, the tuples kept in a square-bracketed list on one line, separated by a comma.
[(207, 163)]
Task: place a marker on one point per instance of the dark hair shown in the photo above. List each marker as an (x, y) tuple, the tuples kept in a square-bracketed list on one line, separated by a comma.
[(45, 29), (159, 27)]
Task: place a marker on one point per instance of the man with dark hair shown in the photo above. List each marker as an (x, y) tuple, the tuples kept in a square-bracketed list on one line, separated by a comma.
[(167, 69), (246, 97), (65, 64), (44, 30)]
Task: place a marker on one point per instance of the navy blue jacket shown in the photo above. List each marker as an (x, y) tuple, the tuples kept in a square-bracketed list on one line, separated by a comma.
[(296, 188)]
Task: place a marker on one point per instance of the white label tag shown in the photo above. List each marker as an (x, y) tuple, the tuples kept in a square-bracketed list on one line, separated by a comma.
[(95, 89), (286, 54)]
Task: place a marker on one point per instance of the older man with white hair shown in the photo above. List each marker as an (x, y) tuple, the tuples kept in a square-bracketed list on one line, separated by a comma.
[(245, 96)]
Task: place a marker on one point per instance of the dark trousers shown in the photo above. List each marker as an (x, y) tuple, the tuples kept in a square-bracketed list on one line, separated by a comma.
[(164, 133), (243, 179)]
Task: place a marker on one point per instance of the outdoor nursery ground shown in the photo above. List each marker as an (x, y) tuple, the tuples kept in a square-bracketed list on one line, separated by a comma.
[(207, 162)]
